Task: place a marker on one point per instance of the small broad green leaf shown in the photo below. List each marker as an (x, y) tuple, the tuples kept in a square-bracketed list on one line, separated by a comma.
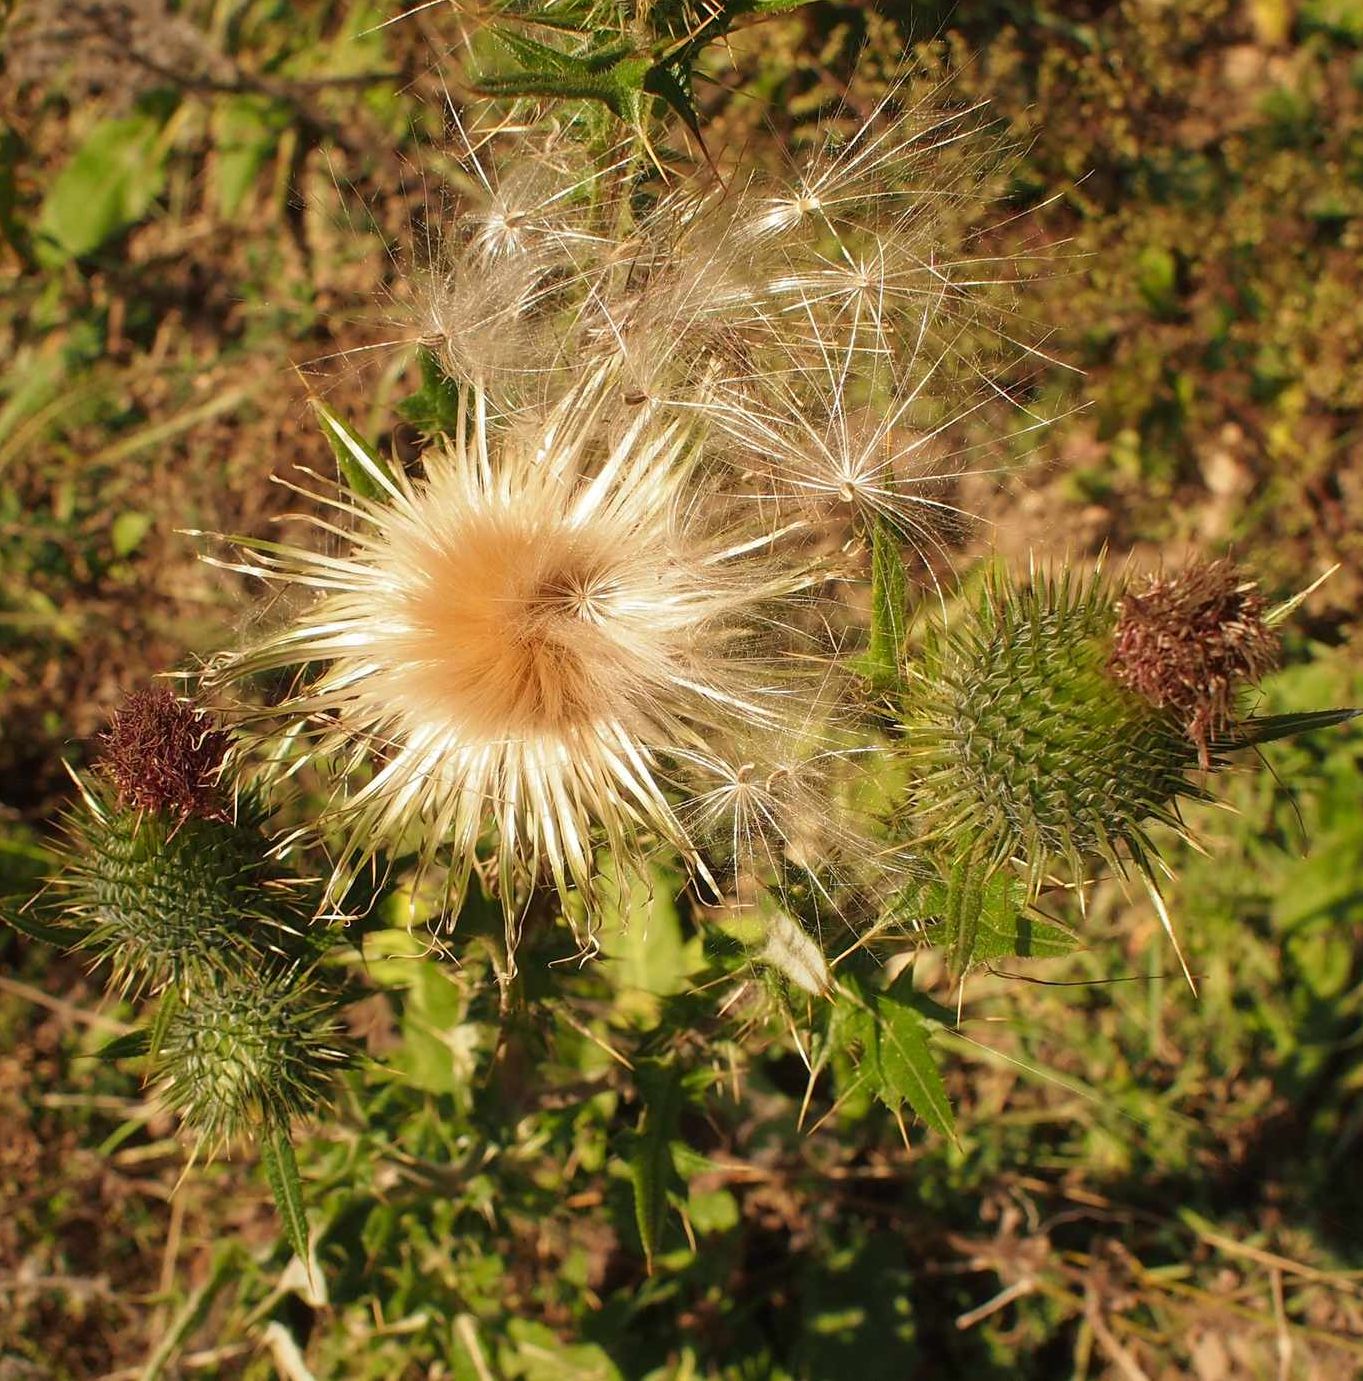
[(651, 1166), (281, 1169), (439, 1046), (1157, 279), (888, 597), (640, 937), (108, 184), (435, 406), (534, 1352), (246, 130), (127, 531), (363, 470)]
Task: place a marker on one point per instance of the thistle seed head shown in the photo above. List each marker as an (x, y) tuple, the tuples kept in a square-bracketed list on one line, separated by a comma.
[(1188, 642), (523, 640), (613, 576), (1032, 748)]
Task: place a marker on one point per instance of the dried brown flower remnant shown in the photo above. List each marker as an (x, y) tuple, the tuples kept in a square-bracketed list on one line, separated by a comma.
[(1188, 641), (163, 754)]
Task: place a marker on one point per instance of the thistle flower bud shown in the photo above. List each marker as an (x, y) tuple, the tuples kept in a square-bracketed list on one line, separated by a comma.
[(248, 1058), (165, 899), (1188, 642), (1033, 748), (166, 882)]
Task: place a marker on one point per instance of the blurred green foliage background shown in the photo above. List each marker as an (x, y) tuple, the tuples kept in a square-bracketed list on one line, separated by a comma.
[(206, 210)]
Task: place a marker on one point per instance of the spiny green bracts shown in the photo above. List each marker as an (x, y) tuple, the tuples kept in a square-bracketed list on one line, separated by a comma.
[(1030, 749), (169, 876), (167, 898), (248, 1055)]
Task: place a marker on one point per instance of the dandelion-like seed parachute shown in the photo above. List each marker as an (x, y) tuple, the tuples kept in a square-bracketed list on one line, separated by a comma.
[(522, 638)]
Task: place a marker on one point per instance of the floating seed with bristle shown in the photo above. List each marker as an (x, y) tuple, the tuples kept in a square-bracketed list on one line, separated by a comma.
[(1030, 748)]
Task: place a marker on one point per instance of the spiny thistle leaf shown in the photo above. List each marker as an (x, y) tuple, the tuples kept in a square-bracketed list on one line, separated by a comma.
[(613, 74), (165, 1009), (964, 903), (651, 1166), (1004, 926), (364, 471), (671, 83), (131, 1045), (897, 1060), (888, 596), (64, 937), (281, 1169), (1007, 929), (1273, 727)]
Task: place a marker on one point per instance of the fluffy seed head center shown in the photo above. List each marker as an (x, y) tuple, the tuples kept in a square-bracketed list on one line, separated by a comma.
[(516, 629)]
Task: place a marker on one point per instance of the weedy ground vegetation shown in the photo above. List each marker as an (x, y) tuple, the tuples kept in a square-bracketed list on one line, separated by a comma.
[(827, 1069)]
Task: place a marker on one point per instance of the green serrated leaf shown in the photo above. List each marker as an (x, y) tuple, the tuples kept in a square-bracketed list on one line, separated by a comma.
[(363, 470), (964, 904), (907, 1070), (61, 936), (1004, 926), (671, 82), (888, 599), (132, 1045), (611, 73), (651, 1167), (1270, 728), (897, 1063), (165, 1011), (281, 1169)]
